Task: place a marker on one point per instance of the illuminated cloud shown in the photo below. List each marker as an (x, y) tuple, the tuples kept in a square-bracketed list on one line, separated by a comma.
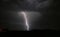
[(29, 17)]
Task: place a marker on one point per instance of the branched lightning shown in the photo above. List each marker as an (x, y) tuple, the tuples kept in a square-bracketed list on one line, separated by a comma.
[(26, 20)]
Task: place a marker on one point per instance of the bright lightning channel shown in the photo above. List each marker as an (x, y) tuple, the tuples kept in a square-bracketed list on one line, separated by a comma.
[(26, 20)]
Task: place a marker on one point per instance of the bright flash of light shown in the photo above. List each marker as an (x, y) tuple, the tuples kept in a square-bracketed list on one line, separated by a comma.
[(26, 20)]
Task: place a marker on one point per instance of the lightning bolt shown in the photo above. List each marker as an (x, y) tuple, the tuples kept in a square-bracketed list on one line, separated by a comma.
[(26, 20)]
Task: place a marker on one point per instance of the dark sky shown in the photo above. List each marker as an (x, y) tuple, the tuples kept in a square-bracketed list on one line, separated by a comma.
[(48, 9)]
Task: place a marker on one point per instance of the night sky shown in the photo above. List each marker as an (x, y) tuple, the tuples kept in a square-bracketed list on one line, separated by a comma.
[(43, 14)]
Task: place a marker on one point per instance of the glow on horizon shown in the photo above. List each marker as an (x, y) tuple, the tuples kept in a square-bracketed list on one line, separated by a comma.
[(26, 20)]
